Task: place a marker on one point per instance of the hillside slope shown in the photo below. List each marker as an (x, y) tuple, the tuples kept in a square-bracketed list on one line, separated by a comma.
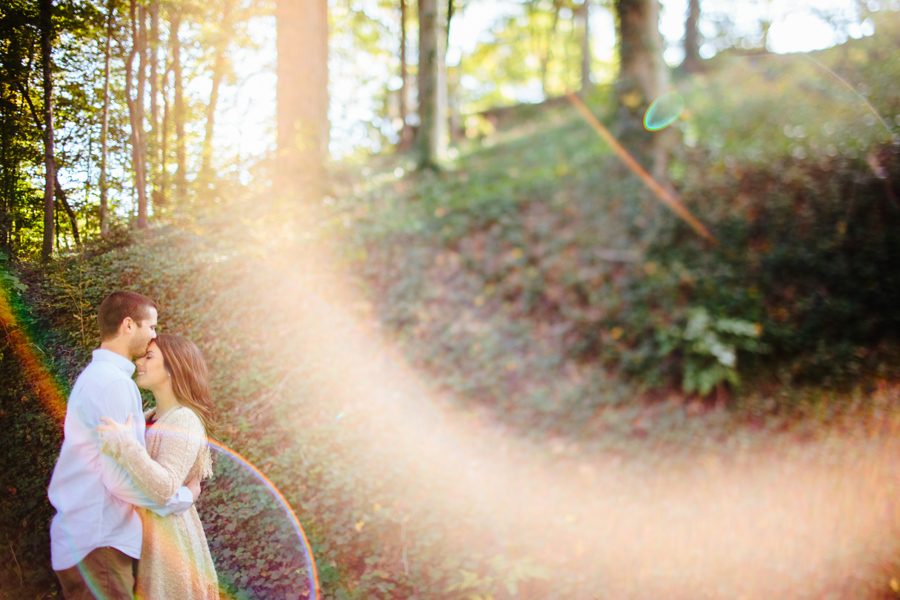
[(403, 493)]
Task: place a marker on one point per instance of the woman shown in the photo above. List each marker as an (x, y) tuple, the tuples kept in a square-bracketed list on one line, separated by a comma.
[(175, 561)]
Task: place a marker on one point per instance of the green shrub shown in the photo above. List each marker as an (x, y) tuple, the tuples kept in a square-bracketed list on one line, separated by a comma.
[(807, 250), (709, 348)]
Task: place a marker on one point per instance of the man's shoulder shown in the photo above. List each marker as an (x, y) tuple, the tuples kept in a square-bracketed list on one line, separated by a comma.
[(102, 371), (98, 376)]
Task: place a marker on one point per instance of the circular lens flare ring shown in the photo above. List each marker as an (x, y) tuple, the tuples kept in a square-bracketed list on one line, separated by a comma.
[(266, 482)]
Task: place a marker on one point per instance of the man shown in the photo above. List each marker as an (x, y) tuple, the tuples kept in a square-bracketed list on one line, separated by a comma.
[(96, 534)]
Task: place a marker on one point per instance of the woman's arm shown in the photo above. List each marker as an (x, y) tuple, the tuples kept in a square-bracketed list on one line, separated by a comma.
[(109, 401), (182, 437)]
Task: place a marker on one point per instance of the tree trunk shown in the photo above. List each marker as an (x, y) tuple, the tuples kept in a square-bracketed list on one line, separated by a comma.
[(447, 25), (153, 149), (546, 52), (164, 143), (223, 40), (139, 109), (8, 170), (63, 200), (59, 193), (432, 85), (691, 62), (406, 133), (104, 131), (302, 98), (56, 226), (46, 7), (137, 137), (643, 77), (642, 70), (766, 26), (585, 13), (179, 114)]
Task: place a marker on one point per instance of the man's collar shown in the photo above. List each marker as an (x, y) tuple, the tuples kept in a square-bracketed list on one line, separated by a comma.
[(104, 355)]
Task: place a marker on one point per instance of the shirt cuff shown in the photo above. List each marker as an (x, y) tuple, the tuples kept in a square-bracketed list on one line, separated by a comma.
[(180, 503)]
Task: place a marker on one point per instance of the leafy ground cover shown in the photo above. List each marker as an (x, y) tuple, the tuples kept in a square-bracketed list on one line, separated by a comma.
[(471, 384)]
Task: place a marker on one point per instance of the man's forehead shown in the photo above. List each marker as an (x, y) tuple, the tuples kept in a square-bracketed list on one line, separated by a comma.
[(152, 315)]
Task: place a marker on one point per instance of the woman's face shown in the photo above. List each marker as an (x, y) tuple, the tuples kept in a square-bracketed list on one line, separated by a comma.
[(151, 372)]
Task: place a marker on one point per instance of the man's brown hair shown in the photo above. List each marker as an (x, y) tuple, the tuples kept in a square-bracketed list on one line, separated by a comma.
[(116, 307)]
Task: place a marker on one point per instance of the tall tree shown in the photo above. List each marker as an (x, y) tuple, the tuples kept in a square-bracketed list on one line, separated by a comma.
[(450, 9), (584, 14), (9, 175), (179, 111), (406, 133), (136, 117), (22, 138), (547, 49), (46, 25), (153, 145), (104, 131), (691, 62), (643, 77), (641, 67), (302, 97), (164, 135), (432, 80), (139, 109), (59, 193), (767, 17), (222, 41), (17, 138)]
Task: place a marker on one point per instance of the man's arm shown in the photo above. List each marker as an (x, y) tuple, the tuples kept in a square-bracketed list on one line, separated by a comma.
[(113, 401)]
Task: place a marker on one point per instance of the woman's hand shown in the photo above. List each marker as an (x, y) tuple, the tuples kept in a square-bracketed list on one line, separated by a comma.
[(109, 431)]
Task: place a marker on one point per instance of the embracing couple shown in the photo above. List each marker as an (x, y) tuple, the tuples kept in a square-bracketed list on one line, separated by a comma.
[(125, 483)]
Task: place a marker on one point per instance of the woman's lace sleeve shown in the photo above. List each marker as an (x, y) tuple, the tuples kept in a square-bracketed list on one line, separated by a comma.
[(182, 438)]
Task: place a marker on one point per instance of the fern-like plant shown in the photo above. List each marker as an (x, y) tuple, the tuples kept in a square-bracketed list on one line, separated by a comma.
[(709, 348)]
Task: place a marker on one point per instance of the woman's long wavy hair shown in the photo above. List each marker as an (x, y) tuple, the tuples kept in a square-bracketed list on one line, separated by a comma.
[(190, 377)]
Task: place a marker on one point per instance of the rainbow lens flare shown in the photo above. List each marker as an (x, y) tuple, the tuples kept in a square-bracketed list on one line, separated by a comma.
[(256, 514), (664, 111)]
